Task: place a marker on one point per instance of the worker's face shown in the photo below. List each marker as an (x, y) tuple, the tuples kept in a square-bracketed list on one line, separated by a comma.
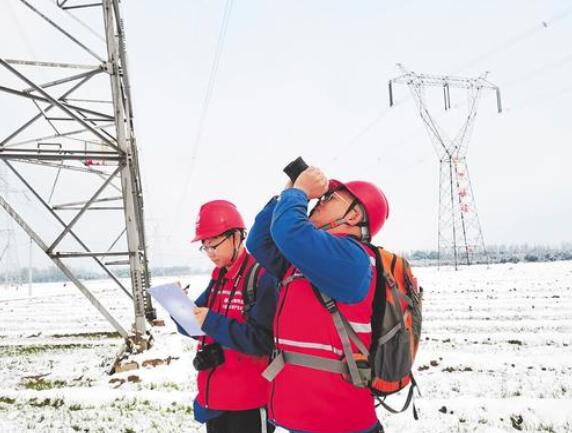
[(331, 206), (220, 249)]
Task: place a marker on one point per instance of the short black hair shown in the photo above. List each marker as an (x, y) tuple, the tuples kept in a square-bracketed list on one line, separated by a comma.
[(230, 232)]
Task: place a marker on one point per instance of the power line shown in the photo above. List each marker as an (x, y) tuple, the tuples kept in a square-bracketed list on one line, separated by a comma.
[(204, 112), (510, 42), (547, 67), (516, 39), (212, 78), (361, 132), (538, 99)]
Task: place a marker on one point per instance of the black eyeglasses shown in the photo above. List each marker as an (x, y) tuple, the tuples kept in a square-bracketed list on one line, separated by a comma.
[(326, 197), (330, 195), (211, 248)]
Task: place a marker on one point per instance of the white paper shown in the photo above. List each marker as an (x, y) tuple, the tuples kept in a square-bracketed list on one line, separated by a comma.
[(178, 305)]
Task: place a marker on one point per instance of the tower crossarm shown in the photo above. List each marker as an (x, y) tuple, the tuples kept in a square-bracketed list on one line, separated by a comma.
[(443, 80), (446, 82)]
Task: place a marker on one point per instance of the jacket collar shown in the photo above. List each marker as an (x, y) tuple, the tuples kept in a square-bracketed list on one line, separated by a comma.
[(232, 271)]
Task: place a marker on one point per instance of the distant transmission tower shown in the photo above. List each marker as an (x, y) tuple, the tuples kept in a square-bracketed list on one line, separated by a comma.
[(460, 239), (9, 257), (81, 134)]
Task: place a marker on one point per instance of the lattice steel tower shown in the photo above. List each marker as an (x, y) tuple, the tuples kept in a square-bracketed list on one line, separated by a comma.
[(460, 238), (78, 149)]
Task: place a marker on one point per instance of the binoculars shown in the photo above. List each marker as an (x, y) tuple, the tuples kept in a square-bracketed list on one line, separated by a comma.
[(294, 169)]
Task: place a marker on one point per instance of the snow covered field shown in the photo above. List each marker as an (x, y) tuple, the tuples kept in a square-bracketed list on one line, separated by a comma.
[(496, 356)]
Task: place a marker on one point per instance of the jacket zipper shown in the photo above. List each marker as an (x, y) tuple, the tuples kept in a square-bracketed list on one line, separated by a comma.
[(218, 284), (208, 388)]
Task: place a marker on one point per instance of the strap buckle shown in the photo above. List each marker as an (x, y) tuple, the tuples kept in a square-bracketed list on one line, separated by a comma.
[(274, 367), (330, 304), (274, 354)]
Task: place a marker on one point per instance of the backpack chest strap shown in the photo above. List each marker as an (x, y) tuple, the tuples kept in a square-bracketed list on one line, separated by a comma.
[(314, 362), (343, 326), (310, 361)]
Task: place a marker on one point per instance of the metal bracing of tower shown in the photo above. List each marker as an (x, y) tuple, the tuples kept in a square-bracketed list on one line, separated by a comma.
[(460, 237), (82, 128)]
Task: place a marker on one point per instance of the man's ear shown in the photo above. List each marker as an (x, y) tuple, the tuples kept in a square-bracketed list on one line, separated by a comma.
[(355, 216)]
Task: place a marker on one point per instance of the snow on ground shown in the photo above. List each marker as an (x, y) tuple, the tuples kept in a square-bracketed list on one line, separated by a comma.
[(495, 357)]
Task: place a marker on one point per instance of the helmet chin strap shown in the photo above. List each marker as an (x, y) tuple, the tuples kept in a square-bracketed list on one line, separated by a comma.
[(234, 249), (363, 228), (333, 224), (339, 221), (364, 232), (363, 225)]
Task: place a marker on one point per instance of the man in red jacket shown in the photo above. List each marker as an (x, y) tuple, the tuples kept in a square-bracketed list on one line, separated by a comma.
[(323, 251), (231, 357)]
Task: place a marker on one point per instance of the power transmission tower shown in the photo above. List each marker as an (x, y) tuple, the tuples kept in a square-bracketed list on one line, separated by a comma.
[(9, 257), (82, 136), (460, 238)]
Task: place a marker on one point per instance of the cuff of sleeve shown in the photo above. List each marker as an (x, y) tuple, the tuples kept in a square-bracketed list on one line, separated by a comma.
[(290, 198), (294, 193), (210, 324)]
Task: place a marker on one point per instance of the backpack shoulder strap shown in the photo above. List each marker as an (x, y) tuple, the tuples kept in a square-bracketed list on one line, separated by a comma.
[(250, 286), (379, 298), (346, 334), (393, 263)]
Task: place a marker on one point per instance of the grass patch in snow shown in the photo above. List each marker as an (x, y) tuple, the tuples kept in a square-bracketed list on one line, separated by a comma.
[(170, 386), (7, 400), (94, 335), (166, 386), (452, 369), (56, 403), (18, 350), (42, 384), (130, 405)]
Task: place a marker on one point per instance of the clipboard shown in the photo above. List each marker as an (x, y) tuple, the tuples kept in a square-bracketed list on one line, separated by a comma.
[(172, 298)]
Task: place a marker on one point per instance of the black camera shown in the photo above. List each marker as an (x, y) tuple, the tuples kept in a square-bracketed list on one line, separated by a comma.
[(294, 169), (209, 356)]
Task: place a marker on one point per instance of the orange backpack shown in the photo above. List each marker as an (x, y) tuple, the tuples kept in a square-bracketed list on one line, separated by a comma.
[(396, 327)]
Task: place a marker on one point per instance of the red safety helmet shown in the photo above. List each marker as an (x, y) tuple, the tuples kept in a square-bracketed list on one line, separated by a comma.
[(216, 217), (371, 198)]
